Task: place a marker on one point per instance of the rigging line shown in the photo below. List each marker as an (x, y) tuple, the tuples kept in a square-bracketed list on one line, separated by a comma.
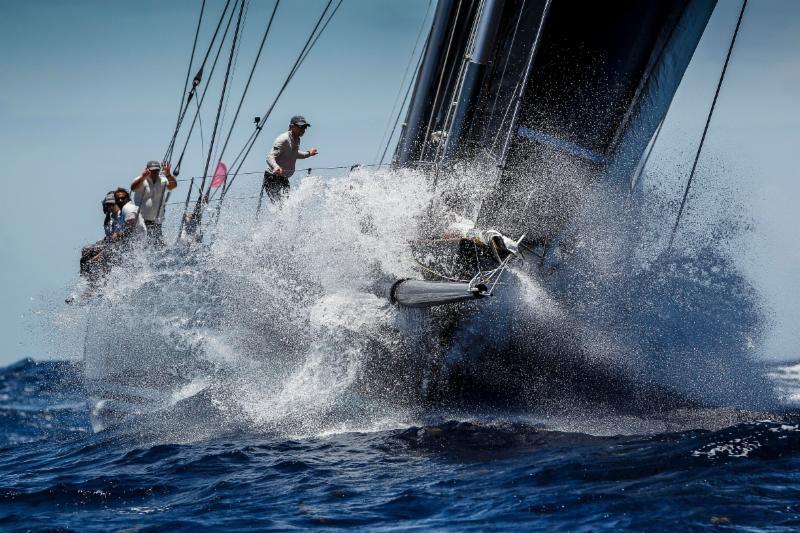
[(439, 85), (197, 113), (245, 197), (503, 77), (247, 87), (403, 80), (400, 111), (202, 141), (254, 134), (499, 272), (196, 81), (462, 72), (705, 129), (460, 79), (194, 48), (188, 70), (214, 37), (437, 274), (188, 199), (511, 103), (205, 91), (517, 99), (310, 42), (219, 107), (457, 88), (298, 170), (303, 54), (319, 34), (233, 76), (217, 200)]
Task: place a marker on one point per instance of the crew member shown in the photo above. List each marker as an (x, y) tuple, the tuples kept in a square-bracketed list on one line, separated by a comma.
[(108, 222), (149, 191), (91, 254), (127, 221), (282, 158)]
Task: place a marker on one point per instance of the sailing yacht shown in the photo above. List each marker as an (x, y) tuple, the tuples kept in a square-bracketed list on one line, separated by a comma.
[(518, 107)]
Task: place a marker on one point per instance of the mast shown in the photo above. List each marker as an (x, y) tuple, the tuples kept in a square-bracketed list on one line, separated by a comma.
[(422, 99), (482, 48)]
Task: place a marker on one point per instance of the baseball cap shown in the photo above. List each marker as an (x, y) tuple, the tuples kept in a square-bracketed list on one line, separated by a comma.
[(299, 120), (153, 165), (109, 199)]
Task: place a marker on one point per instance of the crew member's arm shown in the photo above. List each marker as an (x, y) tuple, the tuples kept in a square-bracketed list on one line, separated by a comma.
[(128, 227), (138, 182), (280, 146), (171, 181), (308, 153)]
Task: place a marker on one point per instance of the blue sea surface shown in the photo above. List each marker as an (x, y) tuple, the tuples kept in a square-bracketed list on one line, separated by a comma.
[(492, 474)]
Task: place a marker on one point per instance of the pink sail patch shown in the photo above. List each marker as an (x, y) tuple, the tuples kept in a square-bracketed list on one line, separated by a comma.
[(220, 175)]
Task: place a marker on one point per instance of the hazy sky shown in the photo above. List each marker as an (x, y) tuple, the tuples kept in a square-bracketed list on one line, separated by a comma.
[(91, 90)]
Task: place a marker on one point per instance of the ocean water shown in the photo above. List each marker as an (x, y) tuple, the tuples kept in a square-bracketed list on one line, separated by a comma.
[(257, 382), (489, 472)]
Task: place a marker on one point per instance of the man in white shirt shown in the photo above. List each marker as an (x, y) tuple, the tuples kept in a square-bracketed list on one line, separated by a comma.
[(121, 225), (282, 157), (127, 221), (149, 190)]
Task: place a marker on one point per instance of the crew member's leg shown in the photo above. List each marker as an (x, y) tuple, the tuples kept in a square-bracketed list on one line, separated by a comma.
[(277, 188), (91, 256), (154, 235)]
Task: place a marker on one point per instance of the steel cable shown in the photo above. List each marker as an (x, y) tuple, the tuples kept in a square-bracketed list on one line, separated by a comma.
[(310, 42), (247, 86), (219, 107), (205, 91), (195, 83), (705, 129), (188, 76)]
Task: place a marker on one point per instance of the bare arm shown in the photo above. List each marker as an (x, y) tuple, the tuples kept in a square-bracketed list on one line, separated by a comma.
[(171, 181), (138, 182), (125, 232), (128, 229)]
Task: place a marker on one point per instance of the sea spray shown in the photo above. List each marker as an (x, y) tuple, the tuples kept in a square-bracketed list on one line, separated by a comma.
[(273, 321), (685, 319)]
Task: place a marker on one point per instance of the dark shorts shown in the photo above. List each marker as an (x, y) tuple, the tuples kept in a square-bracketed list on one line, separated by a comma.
[(277, 187), (154, 235), (98, 258)]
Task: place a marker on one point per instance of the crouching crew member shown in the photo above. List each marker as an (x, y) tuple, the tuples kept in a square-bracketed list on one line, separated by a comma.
[(282, 158), (92, 266), (122, 222), (149, 191)]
